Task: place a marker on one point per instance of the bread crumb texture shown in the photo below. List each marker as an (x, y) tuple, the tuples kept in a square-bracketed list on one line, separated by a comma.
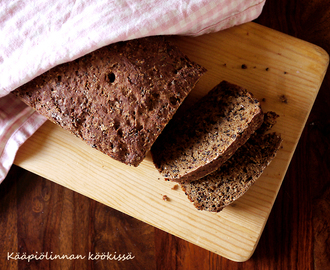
[(201, 139), (222, 187)]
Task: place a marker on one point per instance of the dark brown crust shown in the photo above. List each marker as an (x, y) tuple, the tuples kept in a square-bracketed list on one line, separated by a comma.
[(219, 121), (117, 99), (222, 187)]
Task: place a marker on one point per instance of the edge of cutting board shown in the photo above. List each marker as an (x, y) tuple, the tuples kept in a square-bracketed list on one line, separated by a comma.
[(277, 66)]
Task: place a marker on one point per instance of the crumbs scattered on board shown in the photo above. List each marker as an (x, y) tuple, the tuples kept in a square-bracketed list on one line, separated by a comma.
[(165, 198), (244, 66), (283, 99)]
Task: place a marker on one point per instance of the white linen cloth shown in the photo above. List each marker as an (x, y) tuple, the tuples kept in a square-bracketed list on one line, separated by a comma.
[(37, 35)]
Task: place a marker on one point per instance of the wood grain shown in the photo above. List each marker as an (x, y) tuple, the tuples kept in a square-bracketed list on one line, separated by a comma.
[(277, 66), (8, 220), (56, 220), (296, 235)]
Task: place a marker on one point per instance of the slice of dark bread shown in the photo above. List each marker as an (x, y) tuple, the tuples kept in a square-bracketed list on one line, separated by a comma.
[(222, 187), (119, 98), (200, 140)]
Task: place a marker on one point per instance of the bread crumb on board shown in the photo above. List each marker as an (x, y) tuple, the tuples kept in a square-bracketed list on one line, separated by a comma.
[(165, 198), (175, 187), (283, 99)]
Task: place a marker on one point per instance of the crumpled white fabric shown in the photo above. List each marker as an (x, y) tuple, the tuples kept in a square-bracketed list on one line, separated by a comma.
[(17, 123), (37, 35)]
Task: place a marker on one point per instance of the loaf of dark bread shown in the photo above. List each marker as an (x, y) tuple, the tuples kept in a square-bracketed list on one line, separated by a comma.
[(199, 141), (222, 187), (117, 99)]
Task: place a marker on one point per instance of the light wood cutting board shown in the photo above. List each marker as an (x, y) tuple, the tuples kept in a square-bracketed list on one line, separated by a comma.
[(282, 71)]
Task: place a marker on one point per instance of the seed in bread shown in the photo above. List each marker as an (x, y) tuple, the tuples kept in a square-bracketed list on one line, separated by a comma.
[(222, 187), (205, 136)]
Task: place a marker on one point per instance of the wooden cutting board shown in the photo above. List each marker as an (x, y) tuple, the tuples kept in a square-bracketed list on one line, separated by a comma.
[(285, 73)]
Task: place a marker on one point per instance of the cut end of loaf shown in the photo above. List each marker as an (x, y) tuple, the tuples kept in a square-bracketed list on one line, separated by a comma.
[(199, 141), (221, 188)]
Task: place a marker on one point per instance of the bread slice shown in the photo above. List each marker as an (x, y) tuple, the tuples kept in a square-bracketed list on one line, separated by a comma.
[(208, 134), (119, 98), (222, 187)]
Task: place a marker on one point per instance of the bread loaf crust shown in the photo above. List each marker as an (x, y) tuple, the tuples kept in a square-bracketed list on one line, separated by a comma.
[(119, 98), (207, 135)]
